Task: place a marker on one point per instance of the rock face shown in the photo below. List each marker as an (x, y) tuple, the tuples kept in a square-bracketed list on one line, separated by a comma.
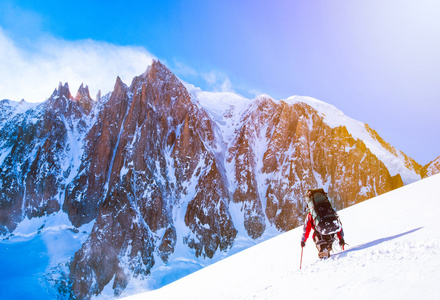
[(38, 149), (159, 155), (157, 169), (431, 169), (300, 152)]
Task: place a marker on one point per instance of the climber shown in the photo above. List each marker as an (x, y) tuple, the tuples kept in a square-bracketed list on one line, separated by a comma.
[(323, 242), (324, 221)]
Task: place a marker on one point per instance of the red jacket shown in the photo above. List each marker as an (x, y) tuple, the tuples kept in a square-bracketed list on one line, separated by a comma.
[(309, 225)]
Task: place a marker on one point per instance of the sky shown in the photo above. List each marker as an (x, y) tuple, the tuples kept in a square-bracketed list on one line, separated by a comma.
[(376, 60)]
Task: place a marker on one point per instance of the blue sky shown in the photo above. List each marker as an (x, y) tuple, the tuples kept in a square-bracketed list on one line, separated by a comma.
[(377, 61)]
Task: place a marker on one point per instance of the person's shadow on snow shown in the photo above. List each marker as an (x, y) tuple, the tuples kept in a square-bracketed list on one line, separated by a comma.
[(374, 243)]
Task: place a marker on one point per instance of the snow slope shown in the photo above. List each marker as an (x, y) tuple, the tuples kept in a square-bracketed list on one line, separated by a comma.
[(393, 253), (37, 246)]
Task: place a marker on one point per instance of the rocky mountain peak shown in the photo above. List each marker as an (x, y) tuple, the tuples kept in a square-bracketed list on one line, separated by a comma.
[(120, 87), (98, 96), (431, 169), (63, 90), (157, 69), (82, 92), (155, 73), (83, 98)]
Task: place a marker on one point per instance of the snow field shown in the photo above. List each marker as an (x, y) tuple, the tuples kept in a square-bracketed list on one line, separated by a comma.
[(393, 253)]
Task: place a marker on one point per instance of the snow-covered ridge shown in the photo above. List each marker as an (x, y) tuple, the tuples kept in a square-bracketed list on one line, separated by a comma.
[(225, 108), (217, 103), (432, 168), (13, 108), (232, 105), (392, 254), (335, 117)]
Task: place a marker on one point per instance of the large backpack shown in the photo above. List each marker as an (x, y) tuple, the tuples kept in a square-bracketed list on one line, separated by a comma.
[(325, 218)]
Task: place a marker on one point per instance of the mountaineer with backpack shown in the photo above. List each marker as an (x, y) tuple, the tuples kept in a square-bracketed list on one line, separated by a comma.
[(323, 219)]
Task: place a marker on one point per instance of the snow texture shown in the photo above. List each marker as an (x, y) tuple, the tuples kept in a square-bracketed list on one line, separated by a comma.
[(392, 254)]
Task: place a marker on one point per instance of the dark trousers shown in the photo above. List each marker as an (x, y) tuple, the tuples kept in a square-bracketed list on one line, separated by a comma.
[(323, 242)]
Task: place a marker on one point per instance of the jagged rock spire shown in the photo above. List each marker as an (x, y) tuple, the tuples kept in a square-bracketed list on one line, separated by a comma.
[(83, 98), (63, 90), (98, 96), (82, 91)]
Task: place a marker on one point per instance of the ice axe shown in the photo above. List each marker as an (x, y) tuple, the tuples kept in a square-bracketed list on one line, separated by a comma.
[(300, 262)]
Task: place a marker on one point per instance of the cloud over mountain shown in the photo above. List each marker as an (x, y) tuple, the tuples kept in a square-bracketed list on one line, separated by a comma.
[(32, 71)]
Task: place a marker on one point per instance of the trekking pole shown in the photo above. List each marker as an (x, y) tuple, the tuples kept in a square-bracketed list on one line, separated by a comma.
[(300, 263)]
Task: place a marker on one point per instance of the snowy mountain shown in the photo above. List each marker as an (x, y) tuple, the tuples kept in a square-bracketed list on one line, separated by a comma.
[(432, 168), (392, 254), (159, 179)]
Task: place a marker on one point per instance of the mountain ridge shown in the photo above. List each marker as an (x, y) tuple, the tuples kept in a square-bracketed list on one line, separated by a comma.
[(160, 166), (431, 168)]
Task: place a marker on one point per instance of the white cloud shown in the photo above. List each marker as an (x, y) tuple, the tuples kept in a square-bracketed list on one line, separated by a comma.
[(226, 86), (210, 78), (218, 82), (34, 74)]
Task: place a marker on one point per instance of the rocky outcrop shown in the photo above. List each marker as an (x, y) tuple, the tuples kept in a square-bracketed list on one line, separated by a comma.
[(431, 169), (38, 154), (84, 99), (159, 156), (88, 189), (300, 152)]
